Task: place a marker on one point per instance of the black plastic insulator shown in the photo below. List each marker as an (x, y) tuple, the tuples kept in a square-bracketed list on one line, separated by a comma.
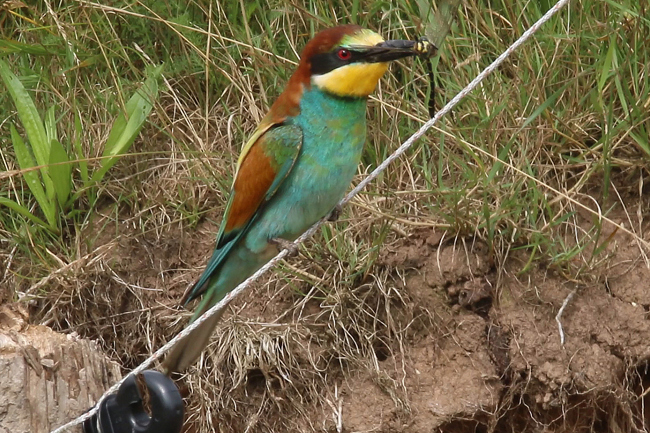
[(124, 412)]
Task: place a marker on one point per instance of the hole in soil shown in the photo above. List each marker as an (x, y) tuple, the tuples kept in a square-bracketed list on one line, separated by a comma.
[(476, 295), (482, 307), (255, 380), (382, 351), (463, 426)]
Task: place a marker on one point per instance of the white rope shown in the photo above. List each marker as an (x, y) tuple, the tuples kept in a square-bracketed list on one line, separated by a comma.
[(408, 143)]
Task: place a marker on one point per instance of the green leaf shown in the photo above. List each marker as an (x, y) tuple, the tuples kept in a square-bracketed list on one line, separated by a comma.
[(26, 162), (23, 211), (31, 121), (607, 65), (50, 125), (126, 128), (543, 106), (498, 164), (83, 164), (8, 46), (642, 141), (60, 171)]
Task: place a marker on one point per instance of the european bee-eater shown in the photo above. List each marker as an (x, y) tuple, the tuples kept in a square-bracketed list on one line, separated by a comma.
[(296, 166)]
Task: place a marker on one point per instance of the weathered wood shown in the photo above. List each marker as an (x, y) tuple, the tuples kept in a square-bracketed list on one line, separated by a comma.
[(46, 378)]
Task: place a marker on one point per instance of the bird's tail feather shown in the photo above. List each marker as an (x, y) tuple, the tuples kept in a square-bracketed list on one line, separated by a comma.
[(187, 350)]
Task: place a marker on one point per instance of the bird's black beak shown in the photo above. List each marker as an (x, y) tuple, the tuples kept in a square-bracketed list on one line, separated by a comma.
[(397, 49)]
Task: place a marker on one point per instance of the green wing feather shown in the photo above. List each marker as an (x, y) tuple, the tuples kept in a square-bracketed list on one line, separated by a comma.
[(281, 143)]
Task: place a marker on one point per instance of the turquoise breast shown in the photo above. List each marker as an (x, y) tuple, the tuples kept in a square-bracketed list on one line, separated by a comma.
[(334, 132)]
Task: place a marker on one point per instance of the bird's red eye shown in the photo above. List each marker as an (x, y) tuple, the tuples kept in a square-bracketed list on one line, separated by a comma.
[(344, 54)]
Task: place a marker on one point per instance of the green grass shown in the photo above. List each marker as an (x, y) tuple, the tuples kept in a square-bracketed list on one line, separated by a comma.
[(47, 164), (563, 122)]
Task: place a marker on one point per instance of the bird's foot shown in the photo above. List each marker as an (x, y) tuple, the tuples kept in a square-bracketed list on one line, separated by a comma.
[(284, 244), (335, 214)]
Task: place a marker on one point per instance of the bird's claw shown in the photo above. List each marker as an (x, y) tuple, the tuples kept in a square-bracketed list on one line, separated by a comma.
[(284, 244), (335, 214)]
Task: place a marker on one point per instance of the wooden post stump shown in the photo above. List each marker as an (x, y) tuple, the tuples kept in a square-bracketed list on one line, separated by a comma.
[(46, 378)]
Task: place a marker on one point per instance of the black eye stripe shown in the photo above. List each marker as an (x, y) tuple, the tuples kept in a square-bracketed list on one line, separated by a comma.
[(326, 62)]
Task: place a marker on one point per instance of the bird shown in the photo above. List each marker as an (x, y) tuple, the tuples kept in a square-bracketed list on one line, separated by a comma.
[(295, 167)]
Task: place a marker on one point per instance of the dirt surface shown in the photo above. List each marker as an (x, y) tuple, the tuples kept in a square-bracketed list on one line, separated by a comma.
[(456, 342), (501, 364)]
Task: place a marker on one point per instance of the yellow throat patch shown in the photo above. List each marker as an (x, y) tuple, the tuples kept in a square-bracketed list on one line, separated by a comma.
[(356, 79)]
